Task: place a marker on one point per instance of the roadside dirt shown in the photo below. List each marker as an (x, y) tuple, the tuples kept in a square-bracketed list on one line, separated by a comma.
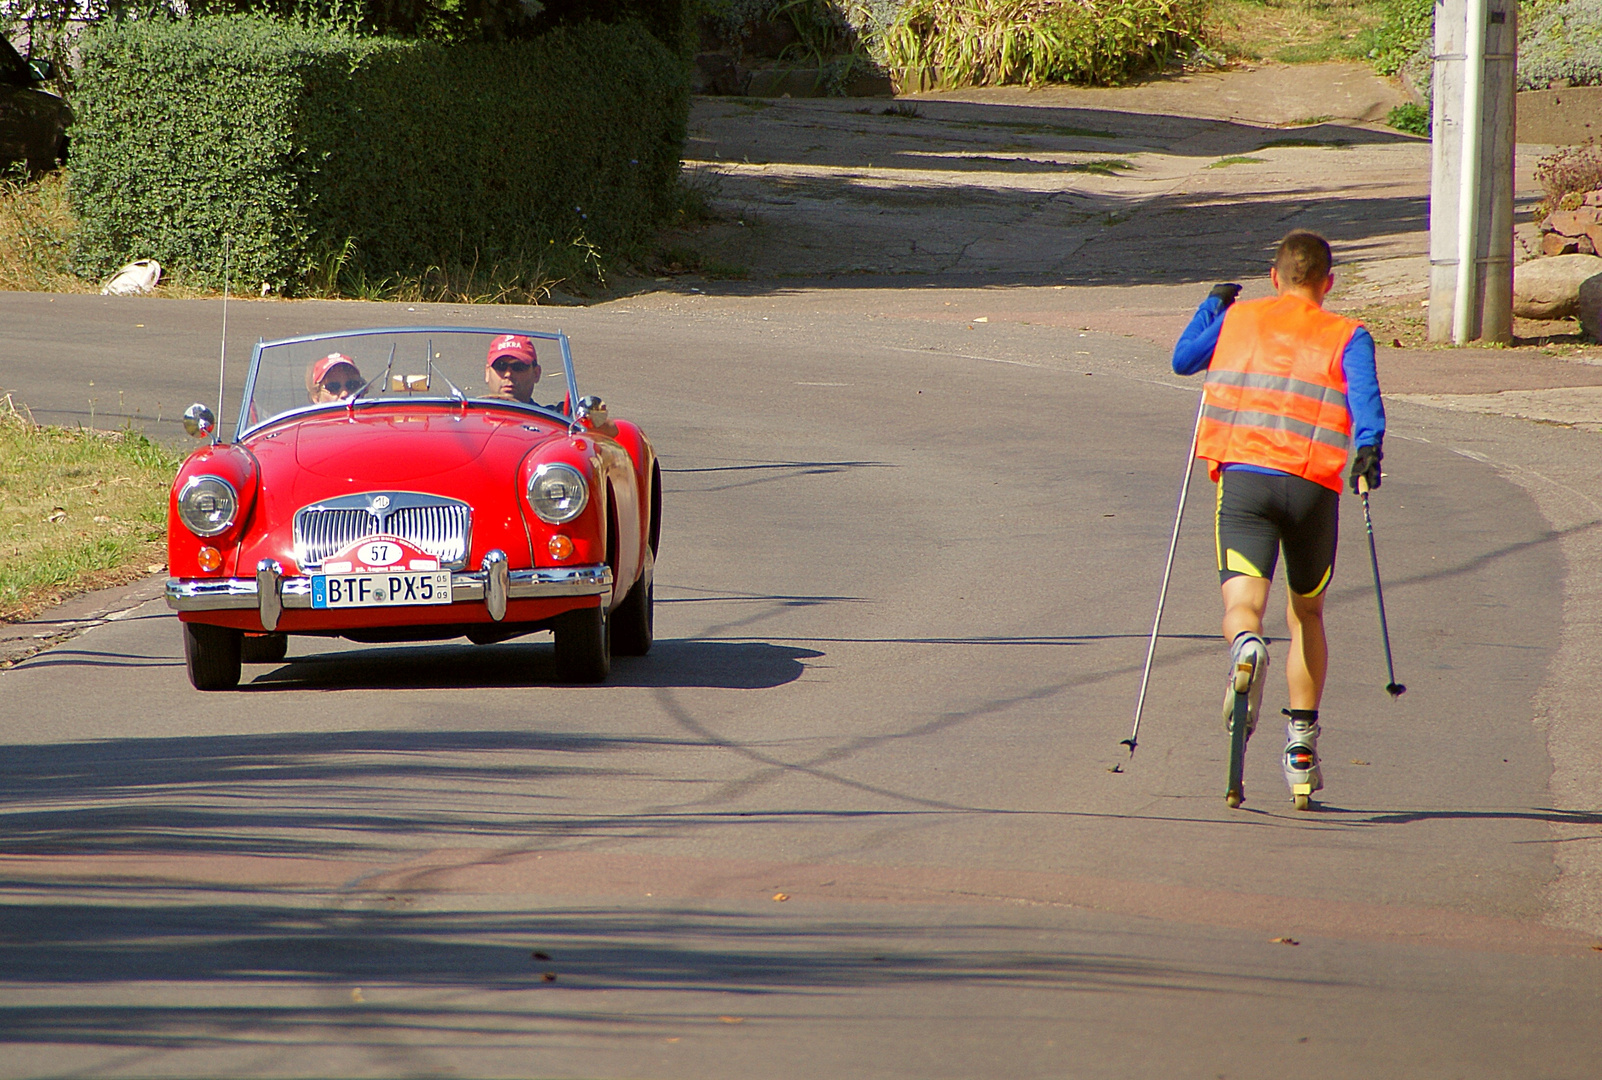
[(1133, 194)]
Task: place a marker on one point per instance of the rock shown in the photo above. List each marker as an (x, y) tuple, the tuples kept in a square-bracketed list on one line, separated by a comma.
[(1572, 222), (1550, 288), (1589, 307), (1557, 244)]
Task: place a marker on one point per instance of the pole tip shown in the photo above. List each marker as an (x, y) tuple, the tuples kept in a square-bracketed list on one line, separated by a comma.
[(1394, 689)]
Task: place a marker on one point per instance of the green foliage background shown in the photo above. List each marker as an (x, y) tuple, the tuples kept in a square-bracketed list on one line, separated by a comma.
[(306, 144)]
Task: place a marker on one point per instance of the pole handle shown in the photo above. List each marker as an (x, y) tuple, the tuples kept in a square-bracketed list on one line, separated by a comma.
[(1362, 485)]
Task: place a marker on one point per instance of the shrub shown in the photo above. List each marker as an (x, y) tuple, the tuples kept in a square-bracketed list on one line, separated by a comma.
[(394, 158), (1560, 41), (1409, 117), (990, 42)]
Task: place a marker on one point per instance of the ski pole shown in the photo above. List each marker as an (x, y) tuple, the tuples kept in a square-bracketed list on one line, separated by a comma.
[(1162, 593), (1393, 688)]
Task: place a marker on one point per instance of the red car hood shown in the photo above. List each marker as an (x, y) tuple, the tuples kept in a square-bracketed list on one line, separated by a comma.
[(434, 451)]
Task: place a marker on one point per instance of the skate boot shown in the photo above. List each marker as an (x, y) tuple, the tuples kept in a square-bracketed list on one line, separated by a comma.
[(1248, 665), (1302, 774)]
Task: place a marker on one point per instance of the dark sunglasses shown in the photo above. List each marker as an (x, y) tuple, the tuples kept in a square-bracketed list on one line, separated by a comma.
[(503, 366), (333, 386)]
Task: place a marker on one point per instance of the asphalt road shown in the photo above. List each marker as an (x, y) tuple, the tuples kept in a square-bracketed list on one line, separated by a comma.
[(862, 812)]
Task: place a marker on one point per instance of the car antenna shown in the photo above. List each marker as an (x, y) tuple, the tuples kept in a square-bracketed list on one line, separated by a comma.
[(222, 355)]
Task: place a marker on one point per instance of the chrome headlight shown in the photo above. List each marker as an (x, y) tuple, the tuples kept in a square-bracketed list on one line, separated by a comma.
[(558, 493), (207, 505)]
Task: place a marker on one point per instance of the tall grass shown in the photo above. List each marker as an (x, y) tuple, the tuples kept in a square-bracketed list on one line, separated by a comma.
[(994, 42), (78, 509), (36, 227)]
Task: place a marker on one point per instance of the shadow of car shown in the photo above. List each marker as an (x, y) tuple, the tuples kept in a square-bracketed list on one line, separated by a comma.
[(33, 120)]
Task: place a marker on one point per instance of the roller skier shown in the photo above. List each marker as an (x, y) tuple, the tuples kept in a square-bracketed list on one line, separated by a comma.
[(1290, 389)]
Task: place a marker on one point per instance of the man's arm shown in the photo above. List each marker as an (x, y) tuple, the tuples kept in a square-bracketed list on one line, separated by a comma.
[(1362, 390), (1194, 350)]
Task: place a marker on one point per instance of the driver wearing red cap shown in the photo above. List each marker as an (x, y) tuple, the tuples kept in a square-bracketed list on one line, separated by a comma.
[(333, 378), (511, 368)]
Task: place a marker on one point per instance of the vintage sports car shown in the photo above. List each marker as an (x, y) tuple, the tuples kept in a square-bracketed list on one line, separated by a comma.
[(407, 485)]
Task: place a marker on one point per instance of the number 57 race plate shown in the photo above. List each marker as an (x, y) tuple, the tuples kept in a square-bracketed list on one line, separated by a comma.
[(380, 571), (383, 589)]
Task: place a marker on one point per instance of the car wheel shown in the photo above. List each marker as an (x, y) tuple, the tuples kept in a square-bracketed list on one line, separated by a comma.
[(584, 645), (264, 648), (634, 621), (212, 655)]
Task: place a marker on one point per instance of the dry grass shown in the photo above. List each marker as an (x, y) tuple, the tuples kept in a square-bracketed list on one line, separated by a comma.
[(79, 509), (36, 226), (1294, 31)]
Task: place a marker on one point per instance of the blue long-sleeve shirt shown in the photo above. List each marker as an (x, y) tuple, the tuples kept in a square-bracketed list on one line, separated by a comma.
[(1194, 352)]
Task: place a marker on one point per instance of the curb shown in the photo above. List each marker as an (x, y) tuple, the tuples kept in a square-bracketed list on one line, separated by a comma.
[(29, 637)]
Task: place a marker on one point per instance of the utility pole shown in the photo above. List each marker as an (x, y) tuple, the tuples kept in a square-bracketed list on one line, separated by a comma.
[(1471, 181)]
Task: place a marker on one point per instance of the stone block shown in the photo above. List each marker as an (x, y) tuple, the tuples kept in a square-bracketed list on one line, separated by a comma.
[(1550, 288)]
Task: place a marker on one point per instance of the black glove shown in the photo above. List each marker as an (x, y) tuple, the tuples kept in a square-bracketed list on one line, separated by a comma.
[(1226, 292), (1366, 466)]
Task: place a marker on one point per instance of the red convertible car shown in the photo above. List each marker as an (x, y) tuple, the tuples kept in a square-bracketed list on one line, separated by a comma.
[(408, 485)]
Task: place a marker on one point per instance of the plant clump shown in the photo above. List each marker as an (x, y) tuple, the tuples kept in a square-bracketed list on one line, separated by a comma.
[(995, 42)]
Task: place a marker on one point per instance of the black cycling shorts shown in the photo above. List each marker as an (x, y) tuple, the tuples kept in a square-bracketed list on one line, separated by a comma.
[(1258, 513)]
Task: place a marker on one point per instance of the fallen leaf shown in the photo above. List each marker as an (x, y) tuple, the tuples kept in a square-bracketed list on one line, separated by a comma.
[(1359, 761), (731, 1019), (356, 995), (781, 897), (537, 955), (155, 568), (1598, 948), (1396, 343), (672, 1038), (101, 519), (1283, 941), (549, 976)]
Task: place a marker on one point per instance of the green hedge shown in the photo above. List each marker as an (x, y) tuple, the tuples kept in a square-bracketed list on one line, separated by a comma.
[(301, 142)]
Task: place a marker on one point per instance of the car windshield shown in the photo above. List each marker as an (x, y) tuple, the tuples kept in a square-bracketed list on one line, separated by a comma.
[(376, 367)]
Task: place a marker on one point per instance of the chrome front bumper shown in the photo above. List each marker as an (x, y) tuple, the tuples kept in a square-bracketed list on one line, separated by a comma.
[(269, 592)]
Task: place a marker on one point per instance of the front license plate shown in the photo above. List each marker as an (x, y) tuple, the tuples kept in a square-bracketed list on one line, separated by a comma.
[(399, 589)]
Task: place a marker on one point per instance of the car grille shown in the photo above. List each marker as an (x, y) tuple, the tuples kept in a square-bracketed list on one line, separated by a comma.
[(431, 523)]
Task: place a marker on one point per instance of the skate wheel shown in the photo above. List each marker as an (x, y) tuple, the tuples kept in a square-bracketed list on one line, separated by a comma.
[(1304, 802), (1233, 799)]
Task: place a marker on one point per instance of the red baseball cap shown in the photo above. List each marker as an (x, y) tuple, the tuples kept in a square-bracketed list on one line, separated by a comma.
[(514, 346), (322, 367)]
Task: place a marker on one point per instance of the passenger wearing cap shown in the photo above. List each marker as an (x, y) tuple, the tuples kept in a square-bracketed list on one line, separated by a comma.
[(511, 368), (333, 378)]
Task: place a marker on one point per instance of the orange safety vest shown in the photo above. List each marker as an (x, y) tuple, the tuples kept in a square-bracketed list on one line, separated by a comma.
[(1276, 392)]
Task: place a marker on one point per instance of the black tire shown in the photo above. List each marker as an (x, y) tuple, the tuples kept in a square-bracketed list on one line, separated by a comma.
[(212, 655), (584, 645), (264, 649), (634, 621)]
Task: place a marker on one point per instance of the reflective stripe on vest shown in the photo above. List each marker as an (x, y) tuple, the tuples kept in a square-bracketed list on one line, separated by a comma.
[(1275, 395), (1326, 394)]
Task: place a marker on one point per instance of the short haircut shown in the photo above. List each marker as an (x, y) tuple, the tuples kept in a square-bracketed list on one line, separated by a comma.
[(1303, 258)]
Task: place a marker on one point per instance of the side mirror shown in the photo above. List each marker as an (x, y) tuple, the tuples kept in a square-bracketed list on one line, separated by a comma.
[(43, 70), (199, 420), (593, 409)]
